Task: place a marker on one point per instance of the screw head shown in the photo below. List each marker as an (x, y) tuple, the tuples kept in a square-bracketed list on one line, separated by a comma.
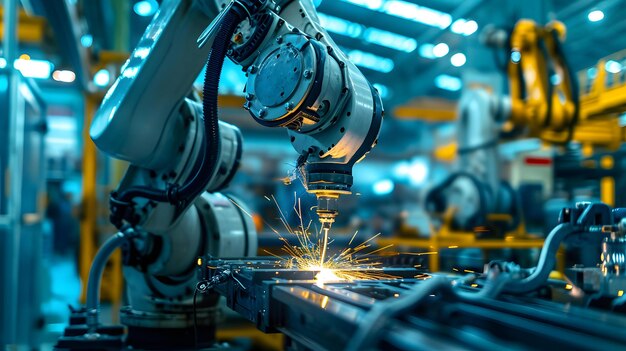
[(249, 96), (307, 74), (289, 106), (279, 39), (262, 112), (252, 69)]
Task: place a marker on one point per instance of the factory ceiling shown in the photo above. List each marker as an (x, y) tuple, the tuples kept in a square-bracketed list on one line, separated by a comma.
[(408, 48)]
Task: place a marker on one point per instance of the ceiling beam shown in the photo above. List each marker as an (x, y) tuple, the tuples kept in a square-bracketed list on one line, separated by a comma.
[(64, 21), (372, 18)]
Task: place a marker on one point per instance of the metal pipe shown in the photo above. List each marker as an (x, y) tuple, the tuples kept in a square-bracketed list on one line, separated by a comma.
[(95, 278), (547, 261), (14, 198), (10, 30)]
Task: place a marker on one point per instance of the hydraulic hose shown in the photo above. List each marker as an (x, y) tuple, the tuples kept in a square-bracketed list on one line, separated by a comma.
[(95, 278), (547, 260), (174, 194), (380, 314)]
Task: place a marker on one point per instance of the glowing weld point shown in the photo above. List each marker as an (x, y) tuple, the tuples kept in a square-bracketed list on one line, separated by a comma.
[(568, 286), (325, 275)]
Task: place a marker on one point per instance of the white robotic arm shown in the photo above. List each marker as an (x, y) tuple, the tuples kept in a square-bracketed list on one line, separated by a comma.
[(297, 79), (179, 151), (475, 189)]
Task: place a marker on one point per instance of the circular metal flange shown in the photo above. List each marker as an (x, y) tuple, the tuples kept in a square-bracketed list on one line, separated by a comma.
[(281, 83), (277, 81)]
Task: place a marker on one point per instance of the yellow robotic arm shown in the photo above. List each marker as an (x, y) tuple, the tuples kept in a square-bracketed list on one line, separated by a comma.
[(543, 90)]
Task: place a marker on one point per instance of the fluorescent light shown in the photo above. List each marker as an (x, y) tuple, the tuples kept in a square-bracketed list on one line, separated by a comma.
[(458, 26), (426, 51), (371, 61), (86, 40), (383, 187), (371, 35), (142, 52), (612, 66), (390, 40), (3, 62), (370, 4), (446, 82), (102, 78), (516, 56), (34, 68), (595, 16), (61, 123), (470, 28), (130, 72), (64, 76), (416, 170), (417, 13), (383, 90), (464, 27), (458, 60), (146, 8), (60, 141), (441, 50), (340, 26)]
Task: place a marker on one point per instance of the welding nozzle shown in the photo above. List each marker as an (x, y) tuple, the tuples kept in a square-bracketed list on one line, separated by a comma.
[(327, 209)]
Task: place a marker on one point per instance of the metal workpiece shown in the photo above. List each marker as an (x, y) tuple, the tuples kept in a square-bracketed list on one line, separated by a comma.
[(252, 284), (435, 314)]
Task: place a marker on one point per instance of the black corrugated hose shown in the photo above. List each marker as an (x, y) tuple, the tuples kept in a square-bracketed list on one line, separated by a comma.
[(175, 194)]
